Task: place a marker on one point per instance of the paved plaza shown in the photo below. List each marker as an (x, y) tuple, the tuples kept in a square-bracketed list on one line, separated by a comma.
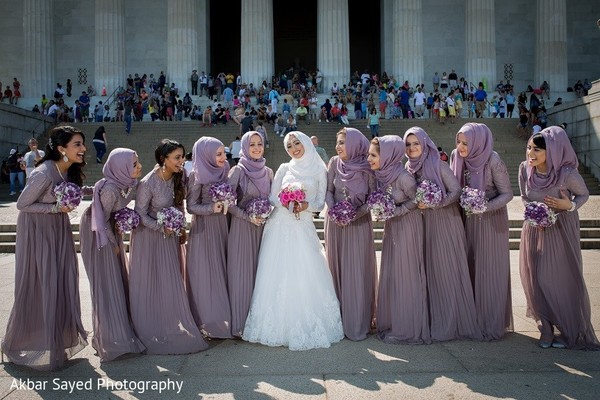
[(514, 368)]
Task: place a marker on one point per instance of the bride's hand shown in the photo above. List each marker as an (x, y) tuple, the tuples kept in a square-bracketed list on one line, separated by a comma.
[(299, 207)]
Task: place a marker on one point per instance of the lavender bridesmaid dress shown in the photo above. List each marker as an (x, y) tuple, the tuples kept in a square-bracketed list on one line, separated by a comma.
[(159, 305)]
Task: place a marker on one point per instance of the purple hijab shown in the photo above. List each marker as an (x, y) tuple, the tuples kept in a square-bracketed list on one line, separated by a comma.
[(254, 170), (429, 162), (351, 170), (117, 170), (481, 146), (559, 157), (391, 152), (205, 167)]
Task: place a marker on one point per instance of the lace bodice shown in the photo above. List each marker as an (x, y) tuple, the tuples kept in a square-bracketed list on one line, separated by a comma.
[(314, 186)]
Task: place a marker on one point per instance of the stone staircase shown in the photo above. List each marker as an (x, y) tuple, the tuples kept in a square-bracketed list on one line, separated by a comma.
[(590, 234), (146, 135)]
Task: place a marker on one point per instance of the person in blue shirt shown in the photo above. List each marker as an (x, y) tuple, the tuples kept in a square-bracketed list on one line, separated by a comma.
[(480, 100)]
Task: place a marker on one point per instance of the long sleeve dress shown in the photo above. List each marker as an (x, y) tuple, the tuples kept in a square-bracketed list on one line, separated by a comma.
[(488, 252), (451, 304), (243, 244), (206, 263), (44, 327), (108, 276), (160, 310), (402, 310), (351, 255), (294, 302), (552, 269)]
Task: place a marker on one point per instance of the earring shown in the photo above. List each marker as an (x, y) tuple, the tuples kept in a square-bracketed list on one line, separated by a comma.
[(65, 158)]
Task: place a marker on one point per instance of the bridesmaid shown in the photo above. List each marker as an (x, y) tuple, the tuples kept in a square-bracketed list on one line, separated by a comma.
[(159, 306), (251, 179), (476, 165), (44, 327), (350, 250), (402, 313), (207, 245), (104, 257), (451, 304), (550, 258)]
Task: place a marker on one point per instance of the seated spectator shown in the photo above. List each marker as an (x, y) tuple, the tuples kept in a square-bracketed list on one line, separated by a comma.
[(290, 124), (579, 91), (335, 90), (8, 94), (545, 87), (301, 113)]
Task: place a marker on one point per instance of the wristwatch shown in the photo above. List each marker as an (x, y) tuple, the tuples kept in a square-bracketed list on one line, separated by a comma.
[(573, 206)]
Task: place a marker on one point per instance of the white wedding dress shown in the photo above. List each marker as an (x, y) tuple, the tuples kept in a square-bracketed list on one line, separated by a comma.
[(294, 302)]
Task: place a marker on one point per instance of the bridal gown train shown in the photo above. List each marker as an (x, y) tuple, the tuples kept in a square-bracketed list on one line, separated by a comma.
[(294, 302)]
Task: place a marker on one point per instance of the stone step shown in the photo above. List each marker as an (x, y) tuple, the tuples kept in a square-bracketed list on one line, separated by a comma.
[(590, 235), (146, 135)]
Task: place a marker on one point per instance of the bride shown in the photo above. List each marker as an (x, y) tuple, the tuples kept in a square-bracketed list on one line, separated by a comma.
[(294, 302)]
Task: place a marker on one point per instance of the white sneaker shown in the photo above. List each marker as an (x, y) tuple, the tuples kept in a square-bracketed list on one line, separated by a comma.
[(13, 193)]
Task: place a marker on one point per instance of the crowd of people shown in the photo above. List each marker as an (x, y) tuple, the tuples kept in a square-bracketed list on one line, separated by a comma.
[(251, 266)]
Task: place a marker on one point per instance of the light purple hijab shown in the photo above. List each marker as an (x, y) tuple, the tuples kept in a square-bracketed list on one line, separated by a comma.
[(351, 170), (560, 156), (254, 170), (205, 167), (391, 152), (481, 146), (429, 162), (117, 170)]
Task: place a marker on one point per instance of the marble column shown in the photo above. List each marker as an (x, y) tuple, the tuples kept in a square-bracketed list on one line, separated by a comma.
[(551, 45), (480, 53), (38, 57), (203, 22), (333, 42), (109, 55), (387, 36), (257, 47), (182, 43), (408, 41)]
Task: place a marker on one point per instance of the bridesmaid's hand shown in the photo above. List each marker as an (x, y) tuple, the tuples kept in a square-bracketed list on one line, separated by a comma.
[(217, 207), (182, 236), (257, 221), (65, 209), (562, 204), (116, 250), (422, 206)]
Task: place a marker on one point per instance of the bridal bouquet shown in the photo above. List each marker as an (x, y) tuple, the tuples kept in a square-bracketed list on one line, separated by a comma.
[(342, 213), (292, 193), (171, 218), (381, 204), (127, 219), (67, 194), (259, 208), (428, 193), (222, 192), (473, 201), (539, 214)]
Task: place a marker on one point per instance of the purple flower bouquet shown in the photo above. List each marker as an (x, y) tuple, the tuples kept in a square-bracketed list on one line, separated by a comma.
[(222, 192), (259, 208), (67, 194), (428, 193), (171, 218), (539, 214), (473, 201), (342, 213), (127, 219), (381, 204)]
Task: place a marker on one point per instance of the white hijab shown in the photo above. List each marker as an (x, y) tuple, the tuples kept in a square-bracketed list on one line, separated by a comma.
[(310, 164)]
